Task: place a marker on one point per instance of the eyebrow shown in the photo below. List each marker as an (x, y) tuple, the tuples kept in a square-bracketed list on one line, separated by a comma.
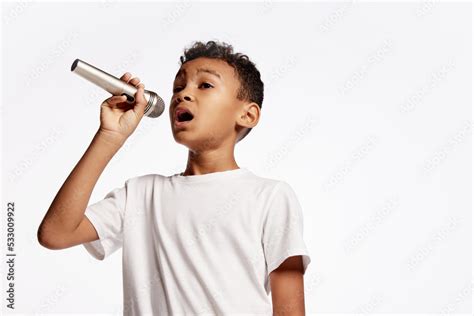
[(207, 70)]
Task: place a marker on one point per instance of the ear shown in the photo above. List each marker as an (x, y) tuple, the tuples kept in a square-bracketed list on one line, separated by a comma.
[(249, 116)]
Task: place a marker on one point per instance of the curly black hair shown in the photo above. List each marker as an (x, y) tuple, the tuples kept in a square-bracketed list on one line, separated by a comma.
[(251, 86)]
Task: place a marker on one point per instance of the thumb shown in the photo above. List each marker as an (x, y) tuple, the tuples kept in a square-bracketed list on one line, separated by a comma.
[(140, 101)]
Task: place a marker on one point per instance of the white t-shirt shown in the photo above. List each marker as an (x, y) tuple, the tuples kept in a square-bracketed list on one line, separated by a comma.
[(198, 244)]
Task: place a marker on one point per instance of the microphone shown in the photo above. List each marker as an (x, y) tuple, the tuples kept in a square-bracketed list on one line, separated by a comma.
[(115, 86)]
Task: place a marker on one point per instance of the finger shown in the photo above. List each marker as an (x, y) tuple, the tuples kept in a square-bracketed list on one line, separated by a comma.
[(126, 76), (139, 95), (135, 81), (141, 102)]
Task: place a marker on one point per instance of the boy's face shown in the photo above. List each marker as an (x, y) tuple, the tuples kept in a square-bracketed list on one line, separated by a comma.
[(207, 88)]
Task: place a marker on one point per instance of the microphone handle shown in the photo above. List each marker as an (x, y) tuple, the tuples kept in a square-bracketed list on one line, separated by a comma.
[(155, 104), (106, 81)]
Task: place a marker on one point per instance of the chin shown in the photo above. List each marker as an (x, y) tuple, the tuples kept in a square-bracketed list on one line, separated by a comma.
[(193, 141), (196, 136), (186, 138)]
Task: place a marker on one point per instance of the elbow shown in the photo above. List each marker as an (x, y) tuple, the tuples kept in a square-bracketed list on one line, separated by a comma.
[(43, 240), (48, 240)]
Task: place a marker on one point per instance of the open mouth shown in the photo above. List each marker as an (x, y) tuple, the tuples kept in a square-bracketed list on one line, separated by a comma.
[(183, 115)]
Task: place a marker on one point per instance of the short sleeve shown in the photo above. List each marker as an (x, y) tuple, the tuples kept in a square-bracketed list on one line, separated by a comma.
[(283, 228), (107, 217)]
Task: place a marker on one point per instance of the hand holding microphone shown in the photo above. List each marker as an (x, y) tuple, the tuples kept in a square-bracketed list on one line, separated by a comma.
[(118, 117), (121, 113)]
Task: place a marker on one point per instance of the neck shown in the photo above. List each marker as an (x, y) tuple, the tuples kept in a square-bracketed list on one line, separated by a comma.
[(210, 160)]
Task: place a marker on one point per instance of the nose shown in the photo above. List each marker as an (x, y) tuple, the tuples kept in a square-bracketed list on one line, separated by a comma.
[(183, 95), (186, 97)]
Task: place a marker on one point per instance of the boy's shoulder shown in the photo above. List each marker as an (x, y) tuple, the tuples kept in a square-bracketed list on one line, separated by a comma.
[(142, 179), (253, 187)]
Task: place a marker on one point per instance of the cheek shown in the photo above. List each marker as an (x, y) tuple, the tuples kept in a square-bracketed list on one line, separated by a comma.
[(219, 121)]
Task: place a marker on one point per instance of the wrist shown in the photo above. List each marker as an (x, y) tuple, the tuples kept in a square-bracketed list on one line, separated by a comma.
[(110, 138)]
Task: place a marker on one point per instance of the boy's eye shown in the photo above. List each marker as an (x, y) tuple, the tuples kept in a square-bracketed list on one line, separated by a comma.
[(207, 85)]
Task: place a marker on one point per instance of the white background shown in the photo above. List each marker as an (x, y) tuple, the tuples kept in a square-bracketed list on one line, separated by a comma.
[(367, 115)]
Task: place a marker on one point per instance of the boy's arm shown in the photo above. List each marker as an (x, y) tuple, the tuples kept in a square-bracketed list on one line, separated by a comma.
[(287, 287), (65, 224)]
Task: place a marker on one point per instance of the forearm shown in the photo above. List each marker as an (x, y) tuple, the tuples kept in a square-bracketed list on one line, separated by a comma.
[(67, 209)]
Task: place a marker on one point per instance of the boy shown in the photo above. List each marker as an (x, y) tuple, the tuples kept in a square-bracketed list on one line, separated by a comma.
[(215, 238)]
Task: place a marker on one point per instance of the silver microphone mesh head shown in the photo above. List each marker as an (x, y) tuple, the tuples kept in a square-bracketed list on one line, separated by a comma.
[(155, 106)]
